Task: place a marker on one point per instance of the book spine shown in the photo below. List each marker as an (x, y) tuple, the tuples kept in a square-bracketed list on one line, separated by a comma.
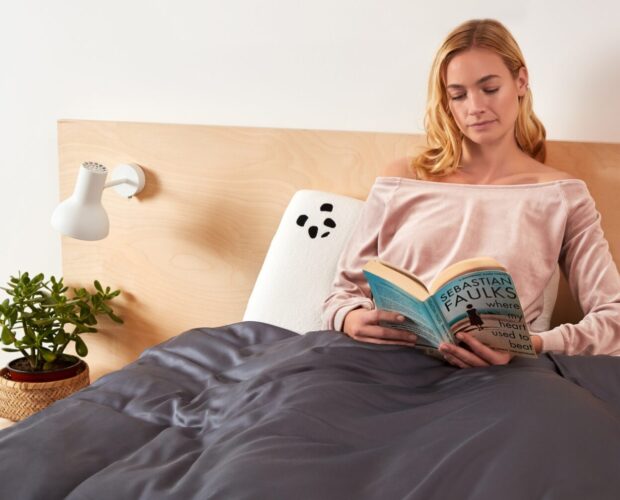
[(438, 319), (419, 320)]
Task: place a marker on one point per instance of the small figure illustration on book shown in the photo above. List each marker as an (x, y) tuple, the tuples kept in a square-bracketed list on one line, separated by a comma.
[(474, 318)]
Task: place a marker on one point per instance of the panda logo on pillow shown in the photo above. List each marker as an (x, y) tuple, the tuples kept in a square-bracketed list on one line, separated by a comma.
[(327, 223)]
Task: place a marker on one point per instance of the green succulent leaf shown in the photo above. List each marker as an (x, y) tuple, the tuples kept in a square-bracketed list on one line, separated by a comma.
[(115, 318), (7, 335), (48, 355), (80, 347), (60, 338), (28, 333)]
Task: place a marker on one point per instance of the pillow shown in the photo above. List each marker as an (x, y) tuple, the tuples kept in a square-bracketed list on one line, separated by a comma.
[(300, 265)]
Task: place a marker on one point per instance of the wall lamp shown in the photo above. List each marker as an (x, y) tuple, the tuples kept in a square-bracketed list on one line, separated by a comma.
[(82, 215)]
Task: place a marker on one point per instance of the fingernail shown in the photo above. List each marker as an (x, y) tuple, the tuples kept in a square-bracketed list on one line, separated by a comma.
[(459, 336), (400, 318)]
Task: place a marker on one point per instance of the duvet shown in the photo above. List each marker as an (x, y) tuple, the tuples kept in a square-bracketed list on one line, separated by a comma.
[(252, 411)]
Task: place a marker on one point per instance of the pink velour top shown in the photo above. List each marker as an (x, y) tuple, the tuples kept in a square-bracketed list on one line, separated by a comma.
[(425, 226)]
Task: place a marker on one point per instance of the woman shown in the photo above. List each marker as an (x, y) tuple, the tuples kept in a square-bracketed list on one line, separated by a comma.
[(481, 188)]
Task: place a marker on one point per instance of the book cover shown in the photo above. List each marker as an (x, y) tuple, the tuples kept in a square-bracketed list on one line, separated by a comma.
[(476, 296)]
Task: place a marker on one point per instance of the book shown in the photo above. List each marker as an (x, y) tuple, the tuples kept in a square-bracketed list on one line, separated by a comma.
[(476, 296)]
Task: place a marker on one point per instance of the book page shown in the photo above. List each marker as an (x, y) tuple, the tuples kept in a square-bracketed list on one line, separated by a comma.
[(400, 277), (463, 267), (389, 297), (485, 304)]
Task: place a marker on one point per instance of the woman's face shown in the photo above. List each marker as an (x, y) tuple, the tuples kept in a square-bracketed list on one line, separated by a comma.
[(483, 96)]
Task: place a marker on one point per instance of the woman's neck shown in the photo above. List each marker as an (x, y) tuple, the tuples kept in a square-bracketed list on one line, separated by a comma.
[(490, 162)]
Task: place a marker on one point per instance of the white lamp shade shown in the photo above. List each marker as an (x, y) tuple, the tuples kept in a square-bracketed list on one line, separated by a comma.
[(82, 215)]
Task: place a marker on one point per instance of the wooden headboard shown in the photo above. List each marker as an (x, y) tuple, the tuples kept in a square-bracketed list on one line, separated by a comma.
[(187, 250)]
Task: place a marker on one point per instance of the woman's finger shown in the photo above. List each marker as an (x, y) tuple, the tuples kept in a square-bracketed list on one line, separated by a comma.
[(385, 333), (375, 340), (453, 360), (484, 352), (467, 357), (380, 327), (395, 324), (389, 316)]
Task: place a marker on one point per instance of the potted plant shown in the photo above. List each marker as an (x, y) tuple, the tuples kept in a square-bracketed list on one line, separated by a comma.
[(40, 319)]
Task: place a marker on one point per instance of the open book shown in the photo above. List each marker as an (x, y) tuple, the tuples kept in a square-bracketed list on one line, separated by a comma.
[(476, 296)]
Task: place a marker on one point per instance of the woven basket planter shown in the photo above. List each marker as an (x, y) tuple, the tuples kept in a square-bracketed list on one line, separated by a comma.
[(19, 400)]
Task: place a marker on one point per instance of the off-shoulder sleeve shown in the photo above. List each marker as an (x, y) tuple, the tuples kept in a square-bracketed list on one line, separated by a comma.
[(350, 289), (593, 279)]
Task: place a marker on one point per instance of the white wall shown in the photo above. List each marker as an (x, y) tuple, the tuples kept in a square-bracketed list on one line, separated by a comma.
[(326, 64)]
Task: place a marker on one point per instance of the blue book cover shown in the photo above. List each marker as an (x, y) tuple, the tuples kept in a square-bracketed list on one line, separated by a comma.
[(476, 296)]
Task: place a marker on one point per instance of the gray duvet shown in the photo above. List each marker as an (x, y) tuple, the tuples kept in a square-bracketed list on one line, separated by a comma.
[(252, 411)]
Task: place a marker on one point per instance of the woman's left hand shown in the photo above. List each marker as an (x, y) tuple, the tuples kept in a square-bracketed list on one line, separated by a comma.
[(480, 354)]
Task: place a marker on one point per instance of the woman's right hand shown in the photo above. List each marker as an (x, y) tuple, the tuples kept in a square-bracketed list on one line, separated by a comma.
[(363, 325)]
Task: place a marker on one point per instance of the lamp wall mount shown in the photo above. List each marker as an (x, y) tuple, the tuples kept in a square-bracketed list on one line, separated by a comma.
[(127, 179)]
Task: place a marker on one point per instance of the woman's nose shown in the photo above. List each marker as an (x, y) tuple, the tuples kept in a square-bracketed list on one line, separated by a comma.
[(476, 104)]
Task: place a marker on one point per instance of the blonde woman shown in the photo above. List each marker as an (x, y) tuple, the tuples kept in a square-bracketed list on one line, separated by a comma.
[(481, 188)]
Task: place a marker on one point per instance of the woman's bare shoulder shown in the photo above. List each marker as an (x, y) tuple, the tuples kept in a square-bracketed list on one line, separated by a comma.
[(399, 168), (547, 173)]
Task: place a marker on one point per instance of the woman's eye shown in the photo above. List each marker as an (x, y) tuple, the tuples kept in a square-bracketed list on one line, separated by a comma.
[(457, 97), (491, 91)]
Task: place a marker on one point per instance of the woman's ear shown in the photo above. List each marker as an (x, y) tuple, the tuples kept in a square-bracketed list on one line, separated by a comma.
[(522, 81)]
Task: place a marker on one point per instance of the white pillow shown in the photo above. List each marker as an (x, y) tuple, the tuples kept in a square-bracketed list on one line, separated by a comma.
[(300, 265)]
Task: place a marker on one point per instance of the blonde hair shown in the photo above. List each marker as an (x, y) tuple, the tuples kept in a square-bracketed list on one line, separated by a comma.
[(444, 139)]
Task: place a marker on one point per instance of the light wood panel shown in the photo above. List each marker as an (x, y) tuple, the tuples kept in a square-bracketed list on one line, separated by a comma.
[(187, 250)]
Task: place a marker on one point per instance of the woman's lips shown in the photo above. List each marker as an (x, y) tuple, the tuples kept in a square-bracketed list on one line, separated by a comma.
[(482, 124)]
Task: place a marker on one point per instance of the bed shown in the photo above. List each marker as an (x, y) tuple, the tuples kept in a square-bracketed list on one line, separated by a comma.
[(212, 391)]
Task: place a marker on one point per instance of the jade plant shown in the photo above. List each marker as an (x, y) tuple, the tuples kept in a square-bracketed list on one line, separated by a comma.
[(41, 318)]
